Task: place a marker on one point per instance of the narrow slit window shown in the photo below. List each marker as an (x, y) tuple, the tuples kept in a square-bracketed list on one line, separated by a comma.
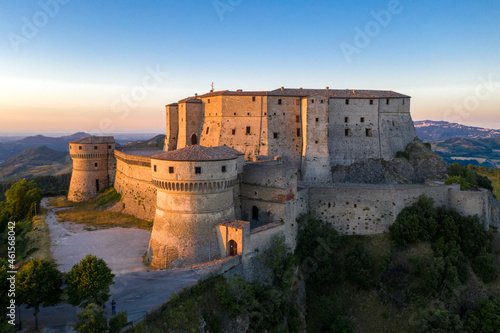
[(346, 102), (298, 132), (317, 120), (346, 119), (95, 164), (368, 132), (387, 101), (362, 119), (276, 135), (170, 169), (233, 131), (348, 132), (248, 129), (312, 101), (208, 130), (371, 101), (209, 101), (154, 168), (253, 99), (280, 101), (403, 102), (297, 119)]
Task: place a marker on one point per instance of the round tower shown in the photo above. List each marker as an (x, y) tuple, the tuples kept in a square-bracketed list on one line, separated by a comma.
[(93, 166), (194, 193)]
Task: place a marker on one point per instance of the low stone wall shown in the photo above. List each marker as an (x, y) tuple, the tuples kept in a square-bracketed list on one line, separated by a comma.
[(134, 182), (365, 210)]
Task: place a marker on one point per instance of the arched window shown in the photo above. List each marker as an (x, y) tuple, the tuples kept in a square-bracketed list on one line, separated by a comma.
[(194, 139), (255, 213), (233, 248)]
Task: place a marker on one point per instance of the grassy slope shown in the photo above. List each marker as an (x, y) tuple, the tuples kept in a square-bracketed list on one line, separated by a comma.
[(94, 215)]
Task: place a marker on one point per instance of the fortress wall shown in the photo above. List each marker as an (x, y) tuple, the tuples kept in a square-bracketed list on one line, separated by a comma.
[(357, 210), (396, 127), (240, 112), (172, 132), (213, 121), (190, 122), (285, 120), (316, 166), (345, 150), (133, 182), (472, 203)]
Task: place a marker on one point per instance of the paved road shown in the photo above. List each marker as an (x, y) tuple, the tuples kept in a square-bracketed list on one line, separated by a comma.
[(136, 289)]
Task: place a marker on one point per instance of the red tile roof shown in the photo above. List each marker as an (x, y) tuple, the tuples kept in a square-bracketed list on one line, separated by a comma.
[(199, 153), (95, 139)]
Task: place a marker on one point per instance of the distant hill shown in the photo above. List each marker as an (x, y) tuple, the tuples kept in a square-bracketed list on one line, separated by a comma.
[(8, 149), (484, 152), (429, 130), (155, 143), (37, 161)]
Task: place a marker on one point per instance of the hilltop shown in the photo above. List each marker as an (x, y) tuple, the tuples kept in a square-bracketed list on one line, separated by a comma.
[(36, 161), (429, 130), (8, 149)]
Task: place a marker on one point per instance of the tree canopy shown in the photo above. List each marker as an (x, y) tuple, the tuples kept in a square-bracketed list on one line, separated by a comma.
[(89, 281)]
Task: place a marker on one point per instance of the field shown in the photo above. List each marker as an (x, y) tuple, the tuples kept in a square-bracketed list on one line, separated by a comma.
[(94, 214)]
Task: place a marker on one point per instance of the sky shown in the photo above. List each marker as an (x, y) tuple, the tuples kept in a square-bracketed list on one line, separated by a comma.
[(111, 66)]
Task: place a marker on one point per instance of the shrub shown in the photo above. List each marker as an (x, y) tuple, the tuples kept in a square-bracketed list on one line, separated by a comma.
[(359, 267), (117, 322), (485, 267)]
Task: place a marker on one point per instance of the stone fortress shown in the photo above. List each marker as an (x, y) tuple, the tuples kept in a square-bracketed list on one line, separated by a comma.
[(239, 167)]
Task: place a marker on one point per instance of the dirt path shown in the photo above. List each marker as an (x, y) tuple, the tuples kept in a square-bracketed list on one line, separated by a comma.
[(136, 290)]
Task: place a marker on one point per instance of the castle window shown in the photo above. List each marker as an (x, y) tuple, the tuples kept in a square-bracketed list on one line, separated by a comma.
[(297, 102), (248, 129), (298, 132), (368, 132), (95, 164), (248, 113), (233, 131), (209, 101), (317, 120), (265, 113), (279, 101), (80, 147), (371, 101), (154, 168), (312, 101), (95, 147), (275, 135), (235, 113), (208, 129), (322, 101), (387, 101), (253, 99), (109, 147), (316, 142), (346, 119), (255, 213), (348, 132), (297, 119), (362, 119), (197, 170), (403, 102), (346, 102), (170, 170), (223, 168)]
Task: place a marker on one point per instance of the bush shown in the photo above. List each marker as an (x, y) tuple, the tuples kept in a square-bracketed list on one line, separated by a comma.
[(117, 322), (359, 267), (485, 317), (91, 320), (485, 267)]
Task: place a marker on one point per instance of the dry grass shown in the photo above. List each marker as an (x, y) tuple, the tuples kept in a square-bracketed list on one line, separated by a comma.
[(94, 215), (38, 240)]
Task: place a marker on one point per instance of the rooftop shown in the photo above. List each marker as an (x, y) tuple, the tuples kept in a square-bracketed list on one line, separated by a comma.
[(299, 92), (95, 139), (199, 153)]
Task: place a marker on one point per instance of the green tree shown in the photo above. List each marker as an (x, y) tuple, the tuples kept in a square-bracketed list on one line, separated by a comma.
[(91, 320), (89, 281), (116, 323), (485, 317), (39, 284), (22, 199)]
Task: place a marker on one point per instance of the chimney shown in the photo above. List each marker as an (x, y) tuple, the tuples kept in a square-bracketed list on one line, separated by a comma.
[(196, 95), (239, 90), (327, 88), (282, 88)]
